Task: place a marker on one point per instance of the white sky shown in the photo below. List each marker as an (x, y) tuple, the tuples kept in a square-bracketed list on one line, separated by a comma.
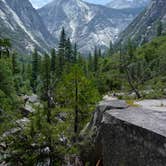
[(40, 3)]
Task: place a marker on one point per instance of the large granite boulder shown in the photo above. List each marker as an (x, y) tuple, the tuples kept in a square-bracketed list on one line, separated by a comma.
[(91, 147), (127, 136)]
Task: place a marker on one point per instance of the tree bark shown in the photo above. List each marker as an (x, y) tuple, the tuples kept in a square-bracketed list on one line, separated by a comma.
[(132, 85), (76, 105)]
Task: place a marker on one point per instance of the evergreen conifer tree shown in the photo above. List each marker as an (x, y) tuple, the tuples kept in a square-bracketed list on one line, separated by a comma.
[(53, 60), (96, 58), (35, 70), (61, 51), (159, 28), (15, 67), (68, 56), (75, 53)]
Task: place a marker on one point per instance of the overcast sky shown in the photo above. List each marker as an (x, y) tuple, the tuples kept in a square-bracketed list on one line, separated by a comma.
[(40, 3)]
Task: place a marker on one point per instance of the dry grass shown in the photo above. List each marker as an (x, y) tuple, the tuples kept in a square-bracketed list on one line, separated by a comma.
[(132, 103)]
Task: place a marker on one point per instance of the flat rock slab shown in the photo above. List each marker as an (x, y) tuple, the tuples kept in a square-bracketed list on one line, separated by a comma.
[(145, 118), (158, 104), (118, 104)]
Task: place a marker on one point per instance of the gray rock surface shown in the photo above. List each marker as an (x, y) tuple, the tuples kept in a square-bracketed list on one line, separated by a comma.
[(153, 104), (129, 136), (21, 23), (104, 106), (144, 27), (33, 98), (87, 24), (151, 120)]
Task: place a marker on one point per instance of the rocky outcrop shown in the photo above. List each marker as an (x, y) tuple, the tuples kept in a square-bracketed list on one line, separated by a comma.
[(30, 102), (21, 23), (88, 25), (144, 27), (128, 136)]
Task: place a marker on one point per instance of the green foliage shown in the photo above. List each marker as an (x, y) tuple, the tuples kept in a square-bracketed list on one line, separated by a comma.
[(87, 94), (15, 66), (5, 45), (6, 81), (37, 142), (35, 70), (96, 59), (53, 61), (159, 28), (68, 85)]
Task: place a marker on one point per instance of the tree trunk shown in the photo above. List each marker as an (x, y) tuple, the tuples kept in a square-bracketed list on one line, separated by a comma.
[(132, 85), (76, 106)]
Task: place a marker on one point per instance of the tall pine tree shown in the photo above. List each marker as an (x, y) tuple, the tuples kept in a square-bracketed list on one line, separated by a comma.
[(96, 59), (61, 51), (53, 60), (35, 70)]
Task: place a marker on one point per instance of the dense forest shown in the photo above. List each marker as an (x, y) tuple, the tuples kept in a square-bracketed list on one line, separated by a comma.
[(67, 86)]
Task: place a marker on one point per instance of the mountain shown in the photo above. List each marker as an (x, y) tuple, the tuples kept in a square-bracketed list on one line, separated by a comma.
[(123, 4), (145, 26), (21, 23), (89, 25)]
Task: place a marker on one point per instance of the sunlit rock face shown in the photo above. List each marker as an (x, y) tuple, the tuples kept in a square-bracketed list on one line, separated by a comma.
[(86, 24), (21, 23)]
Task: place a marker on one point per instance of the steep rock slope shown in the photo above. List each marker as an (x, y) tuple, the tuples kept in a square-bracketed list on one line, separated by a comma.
[(21, 23), (89, 25), (122, 4), (145, 26)]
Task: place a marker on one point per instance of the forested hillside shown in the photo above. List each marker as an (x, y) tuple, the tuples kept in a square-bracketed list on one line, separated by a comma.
[(46, 100), (48, 95)]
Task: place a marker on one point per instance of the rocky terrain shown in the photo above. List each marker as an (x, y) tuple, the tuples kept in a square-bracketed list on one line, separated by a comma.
[(21, 23), (126, 135), (145, 26), (87, 24)]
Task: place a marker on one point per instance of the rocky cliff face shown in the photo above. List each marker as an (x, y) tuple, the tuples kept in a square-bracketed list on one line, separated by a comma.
[(144, 27), (21, 23), (87, 24)]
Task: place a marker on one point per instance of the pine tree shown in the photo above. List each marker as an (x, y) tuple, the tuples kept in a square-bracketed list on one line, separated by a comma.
[(7, 90), (46, 76), (15, 67), (61, 51), (159, 28), (75, 53), (111, 49), (99, 53), (130, 50), (76, 91), (35, 70), (5, 46), (96, 58), (53, 60), (90, 62), (68, 53), (1, 47)]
